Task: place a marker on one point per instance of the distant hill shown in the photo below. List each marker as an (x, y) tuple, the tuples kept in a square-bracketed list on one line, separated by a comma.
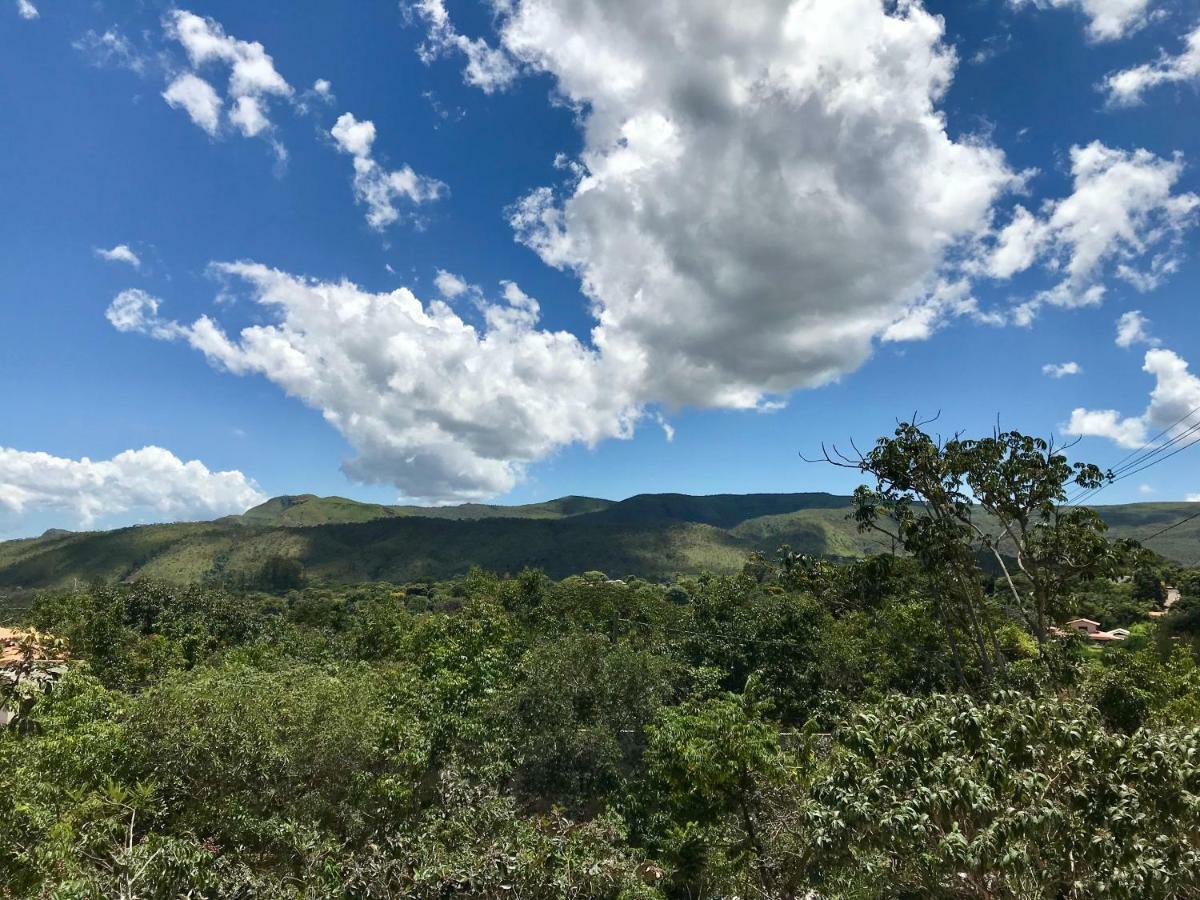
[(307, 509), (340, 540)]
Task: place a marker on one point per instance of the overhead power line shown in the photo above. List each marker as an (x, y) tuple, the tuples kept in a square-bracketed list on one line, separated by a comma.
[(1146, 456), (1183, 521)]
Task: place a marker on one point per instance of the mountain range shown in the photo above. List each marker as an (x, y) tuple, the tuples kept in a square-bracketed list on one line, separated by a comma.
[(340, 540)]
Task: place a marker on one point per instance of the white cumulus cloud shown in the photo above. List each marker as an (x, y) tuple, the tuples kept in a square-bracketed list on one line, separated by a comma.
[(1127, 87), (27, 10), (765, 191), (1061, 370), (120, 253), (488, 68), (442, 409), (152, 482), (374, 186), (1175, 399), (1123, 211), (747, 228), (1134, 328), (450, 285), (253, 79), (1108, 20), (198, 99)]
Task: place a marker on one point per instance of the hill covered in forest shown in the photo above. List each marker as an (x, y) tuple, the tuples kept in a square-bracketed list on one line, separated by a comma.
[(341, 540)]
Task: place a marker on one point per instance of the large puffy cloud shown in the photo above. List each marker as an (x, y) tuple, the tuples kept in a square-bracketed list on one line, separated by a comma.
[(374, 186), (151, 482), (1126, 88), (1176, 394), (444, 409), (1124, 214), (253, 79), (1107, 19), (765, 188)]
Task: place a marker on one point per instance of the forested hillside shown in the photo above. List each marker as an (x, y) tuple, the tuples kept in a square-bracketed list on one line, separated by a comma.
[(341, 541)]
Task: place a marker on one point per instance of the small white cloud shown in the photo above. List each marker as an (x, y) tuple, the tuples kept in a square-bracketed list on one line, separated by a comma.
[(352, 136), (320, 94), (1145, 489), (120, 253), (1127, 87), (488, 68), (198, 98), (450, 285), (247, 115), (1174, 403), (1107, 423), (27, 10), (148, 482), (111, 48), (1108, 20), (374, 186), (1061, 370), (136, 311), (253, 79), (1123, 210), (667, 427), (1134, 328), (1193, 498)]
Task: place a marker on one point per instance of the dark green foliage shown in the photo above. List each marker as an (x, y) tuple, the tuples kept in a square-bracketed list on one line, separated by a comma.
[(589, 738), (1113, 604), (281, 573), (791, 727), (1148, 587)]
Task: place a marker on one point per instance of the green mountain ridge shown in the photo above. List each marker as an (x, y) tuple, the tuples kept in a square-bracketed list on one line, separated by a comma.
[(341, 540), (302, 510)]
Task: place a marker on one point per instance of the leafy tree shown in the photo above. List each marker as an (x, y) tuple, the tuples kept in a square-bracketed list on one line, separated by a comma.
[(1019, 797), (1148, 587), (710, 763), (577, 714), (281, 573), (933, 491)]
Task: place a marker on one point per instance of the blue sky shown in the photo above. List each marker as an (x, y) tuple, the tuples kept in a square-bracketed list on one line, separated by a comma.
[(753, 299)]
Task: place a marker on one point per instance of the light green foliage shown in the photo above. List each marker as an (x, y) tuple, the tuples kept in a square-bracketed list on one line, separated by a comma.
[(709, 764), (1020, 797)]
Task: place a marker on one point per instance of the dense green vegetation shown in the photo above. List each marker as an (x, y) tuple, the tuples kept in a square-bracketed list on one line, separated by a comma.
[(899, 725), (653, 536)]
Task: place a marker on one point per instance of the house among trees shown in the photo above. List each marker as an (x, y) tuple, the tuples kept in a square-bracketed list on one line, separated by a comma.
[(1084, 626), (1093, 631)]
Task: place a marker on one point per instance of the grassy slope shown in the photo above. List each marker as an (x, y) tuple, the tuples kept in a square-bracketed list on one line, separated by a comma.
[(1139, 520), (649, 535)]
